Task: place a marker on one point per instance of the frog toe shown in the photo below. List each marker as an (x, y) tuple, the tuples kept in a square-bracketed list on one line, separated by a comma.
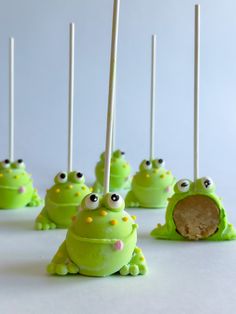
[(61, 269), (143, 269), (124, 271), (134, 270), (72, 268)]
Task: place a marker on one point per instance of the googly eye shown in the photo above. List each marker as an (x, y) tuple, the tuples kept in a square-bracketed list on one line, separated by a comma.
[(114, 200), (147, 165), (62, 177), (78, 176), (92, 201), (183, 185), (159, 163), (207, 183), (20, 163), (6, 163)]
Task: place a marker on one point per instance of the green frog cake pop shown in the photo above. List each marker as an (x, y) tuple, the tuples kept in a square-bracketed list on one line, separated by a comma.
[(16, 184), (152, 185), (102, 239), (69, 188), (195, 212)]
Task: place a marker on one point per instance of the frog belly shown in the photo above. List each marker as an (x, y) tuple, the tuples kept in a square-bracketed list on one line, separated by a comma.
[(11, 198), (97, 257)]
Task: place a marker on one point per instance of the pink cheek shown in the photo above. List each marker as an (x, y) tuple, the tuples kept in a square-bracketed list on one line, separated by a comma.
[(168, 189), (119, 245), (22, 190)]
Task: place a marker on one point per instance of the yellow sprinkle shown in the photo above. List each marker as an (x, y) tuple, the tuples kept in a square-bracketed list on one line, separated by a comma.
[(89, 220), (91, 189), (142, 258), (113, 222), (155, 170), (168, 172), (1, 175), (134, 217), (147, 175), (70, 186), (137, 250), (162, 176), (9, 171), (58, 191), (77, 194), (59, 254), (124, 165), (125, 219), (102, 213), (83, 187), (16, 177)]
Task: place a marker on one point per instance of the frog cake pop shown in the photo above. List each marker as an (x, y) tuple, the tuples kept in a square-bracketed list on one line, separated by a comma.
[(152, 185), (195, 212), (102, 239), (16, 184), (69, 188)]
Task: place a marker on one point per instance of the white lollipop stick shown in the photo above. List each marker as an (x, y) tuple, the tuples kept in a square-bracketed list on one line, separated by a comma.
[(11, 99), (196, 89), (114, 127), (153, 98), (71, 97), (111, 96)]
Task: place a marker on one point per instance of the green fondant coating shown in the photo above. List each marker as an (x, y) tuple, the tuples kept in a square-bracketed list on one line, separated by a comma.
[(16, 186), (100, 242), (150, 187), (61, 203), (168, 231), (119, 173)]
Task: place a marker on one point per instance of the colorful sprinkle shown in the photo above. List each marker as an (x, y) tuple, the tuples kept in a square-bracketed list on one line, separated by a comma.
[(57, 190), (124, 165), (70, 186), (83, 187), (147, 175), (1, 175), (125, 219), (119, 245), (134, 217), (113, 222), (73, 218), (91, 189), (16, 177), (168, 189), (89, 220), (77, 194), (168, 172), (102, 213), (21, 189), (162, 176)]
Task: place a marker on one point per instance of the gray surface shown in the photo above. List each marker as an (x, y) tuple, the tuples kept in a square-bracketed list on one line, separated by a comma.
[(184, 278)]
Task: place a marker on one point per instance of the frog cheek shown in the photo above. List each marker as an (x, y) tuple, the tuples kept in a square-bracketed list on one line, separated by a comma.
[(119, 245), (22, 190)]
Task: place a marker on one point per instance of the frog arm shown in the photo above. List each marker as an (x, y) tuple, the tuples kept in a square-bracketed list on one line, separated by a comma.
[(35, 200), (136, 266), (131, 200), (43, 222), (61, 263)]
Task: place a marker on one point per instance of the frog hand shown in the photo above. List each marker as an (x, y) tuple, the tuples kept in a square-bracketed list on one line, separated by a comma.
[(36, 200), (136, 266)]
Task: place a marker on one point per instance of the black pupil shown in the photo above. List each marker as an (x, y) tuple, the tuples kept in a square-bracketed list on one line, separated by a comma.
[(7, 161), (62, 175), (79, 174), (93, 198), (148, 163), (115, 197), (122, 153), (20, 161), (207, 183), (160, 161), (184, 184)]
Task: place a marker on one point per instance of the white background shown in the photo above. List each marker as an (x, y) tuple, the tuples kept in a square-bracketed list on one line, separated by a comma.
[(184, 277)]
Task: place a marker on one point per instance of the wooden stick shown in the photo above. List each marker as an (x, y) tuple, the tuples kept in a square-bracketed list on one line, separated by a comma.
[(153, 98), (11, 98), (71, 97), (196, 90), (111, 96)]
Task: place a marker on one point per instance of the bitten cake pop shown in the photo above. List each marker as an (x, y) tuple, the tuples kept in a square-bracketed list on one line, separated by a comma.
[(152, 185), (63, 198), (102, 239), (195, 212), (16, 185)]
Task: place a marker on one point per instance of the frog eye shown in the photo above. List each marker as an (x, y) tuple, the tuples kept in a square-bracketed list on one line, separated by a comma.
[(20, 163), (147, 165), (61, 177), (6, 163), (79, 177), (92, 201), (207, 183), (159, 163), (114, 200), (183, 185)]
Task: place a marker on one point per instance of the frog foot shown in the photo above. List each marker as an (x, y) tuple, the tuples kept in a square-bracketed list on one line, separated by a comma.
[(36, 200), (136, 266), (62, 269), (43, 223)]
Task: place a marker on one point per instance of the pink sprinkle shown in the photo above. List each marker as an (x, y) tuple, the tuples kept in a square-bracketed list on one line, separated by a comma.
[(119, 245), (168, 189), (21, 189)]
